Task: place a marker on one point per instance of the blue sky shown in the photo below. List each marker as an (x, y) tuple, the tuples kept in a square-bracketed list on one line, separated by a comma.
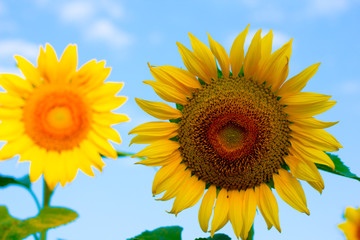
[(117, 203)]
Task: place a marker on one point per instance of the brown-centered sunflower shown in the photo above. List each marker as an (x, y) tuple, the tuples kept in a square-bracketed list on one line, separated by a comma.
[(235, 134), (58, 117)]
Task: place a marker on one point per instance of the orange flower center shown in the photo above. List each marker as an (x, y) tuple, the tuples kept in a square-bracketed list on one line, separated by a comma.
[(56, 117)]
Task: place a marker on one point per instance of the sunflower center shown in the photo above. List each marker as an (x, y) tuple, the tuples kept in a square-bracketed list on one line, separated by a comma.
[(234, 134), (56, 117)]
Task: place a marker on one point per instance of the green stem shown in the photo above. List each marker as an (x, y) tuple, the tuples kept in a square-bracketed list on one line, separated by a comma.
[(35, 198), (47, 196)]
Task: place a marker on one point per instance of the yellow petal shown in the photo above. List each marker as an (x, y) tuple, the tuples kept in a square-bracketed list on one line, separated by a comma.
[(303, 169), (316, 135), (235, 211), (165, 76), (311, 154), (71, 164), (171, 171), (158, 109), (107, 132), (253, 56), (173, 184), (105, 91), (68, 63), (16, 146), (318, 186), (84, 162), (303, 98), (155, 128), (161, 161), (89, 149), (108, 104), (30, 72), (10, 101), (109, 118), (352, 214), (270, 72), (10, 114), (167, 93), (194, 64), (189, 194), (148, 139), (298, 82), (290, 190), (266, 48), (309, 110), (160, 148), (268, 206), (221, 211), (237, 52), (181, 76), (204, 53), (104, 147), (311, 123), (51, 69), (38, 158), (248, 210), (91, 76), (15, 84), (221, 56), (206, 207), (52, 168), (11, 129)]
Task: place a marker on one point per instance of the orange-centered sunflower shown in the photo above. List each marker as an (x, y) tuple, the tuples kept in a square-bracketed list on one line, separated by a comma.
[(235, 134), (59, 118), (351, 227)]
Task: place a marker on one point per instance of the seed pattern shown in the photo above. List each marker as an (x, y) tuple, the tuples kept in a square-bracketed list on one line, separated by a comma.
[(234, 134)]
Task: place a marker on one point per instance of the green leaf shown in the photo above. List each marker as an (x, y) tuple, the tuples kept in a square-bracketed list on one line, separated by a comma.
[(163, 233), (217, 236), (340, 168), (24, 181), (49, 217)]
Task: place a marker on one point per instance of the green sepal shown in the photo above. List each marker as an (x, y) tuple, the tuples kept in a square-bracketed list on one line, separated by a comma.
[(179, 107), (340, 168), (219, 73), (24, 181), (241, 73), (162, 233), (49, 217), (174, 120)]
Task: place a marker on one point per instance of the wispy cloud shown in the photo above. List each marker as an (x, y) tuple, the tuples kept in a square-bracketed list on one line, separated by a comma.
[(328, 7), (77, 12), (11, 47), (105, 31)]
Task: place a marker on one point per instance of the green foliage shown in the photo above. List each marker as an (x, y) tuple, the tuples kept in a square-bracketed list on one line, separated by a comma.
[(49, 217), (340, 168), (218, 236), (179, 107), (163, 233), (24, 181)]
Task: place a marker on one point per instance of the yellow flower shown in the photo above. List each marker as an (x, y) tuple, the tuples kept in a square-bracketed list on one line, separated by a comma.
[(235, 134), (59, 118), (351, 227)]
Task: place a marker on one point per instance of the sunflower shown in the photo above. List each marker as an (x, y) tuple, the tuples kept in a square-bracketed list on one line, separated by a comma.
[(235, 135), (351, 227), (59, 118)]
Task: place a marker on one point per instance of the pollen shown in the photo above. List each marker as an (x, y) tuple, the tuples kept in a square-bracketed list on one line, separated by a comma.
[(234, 133)]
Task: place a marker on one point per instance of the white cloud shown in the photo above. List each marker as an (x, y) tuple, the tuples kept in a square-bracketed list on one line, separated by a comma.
[(107, 32), (113, 8), (11, 47), (328, 7), (77, 12)]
